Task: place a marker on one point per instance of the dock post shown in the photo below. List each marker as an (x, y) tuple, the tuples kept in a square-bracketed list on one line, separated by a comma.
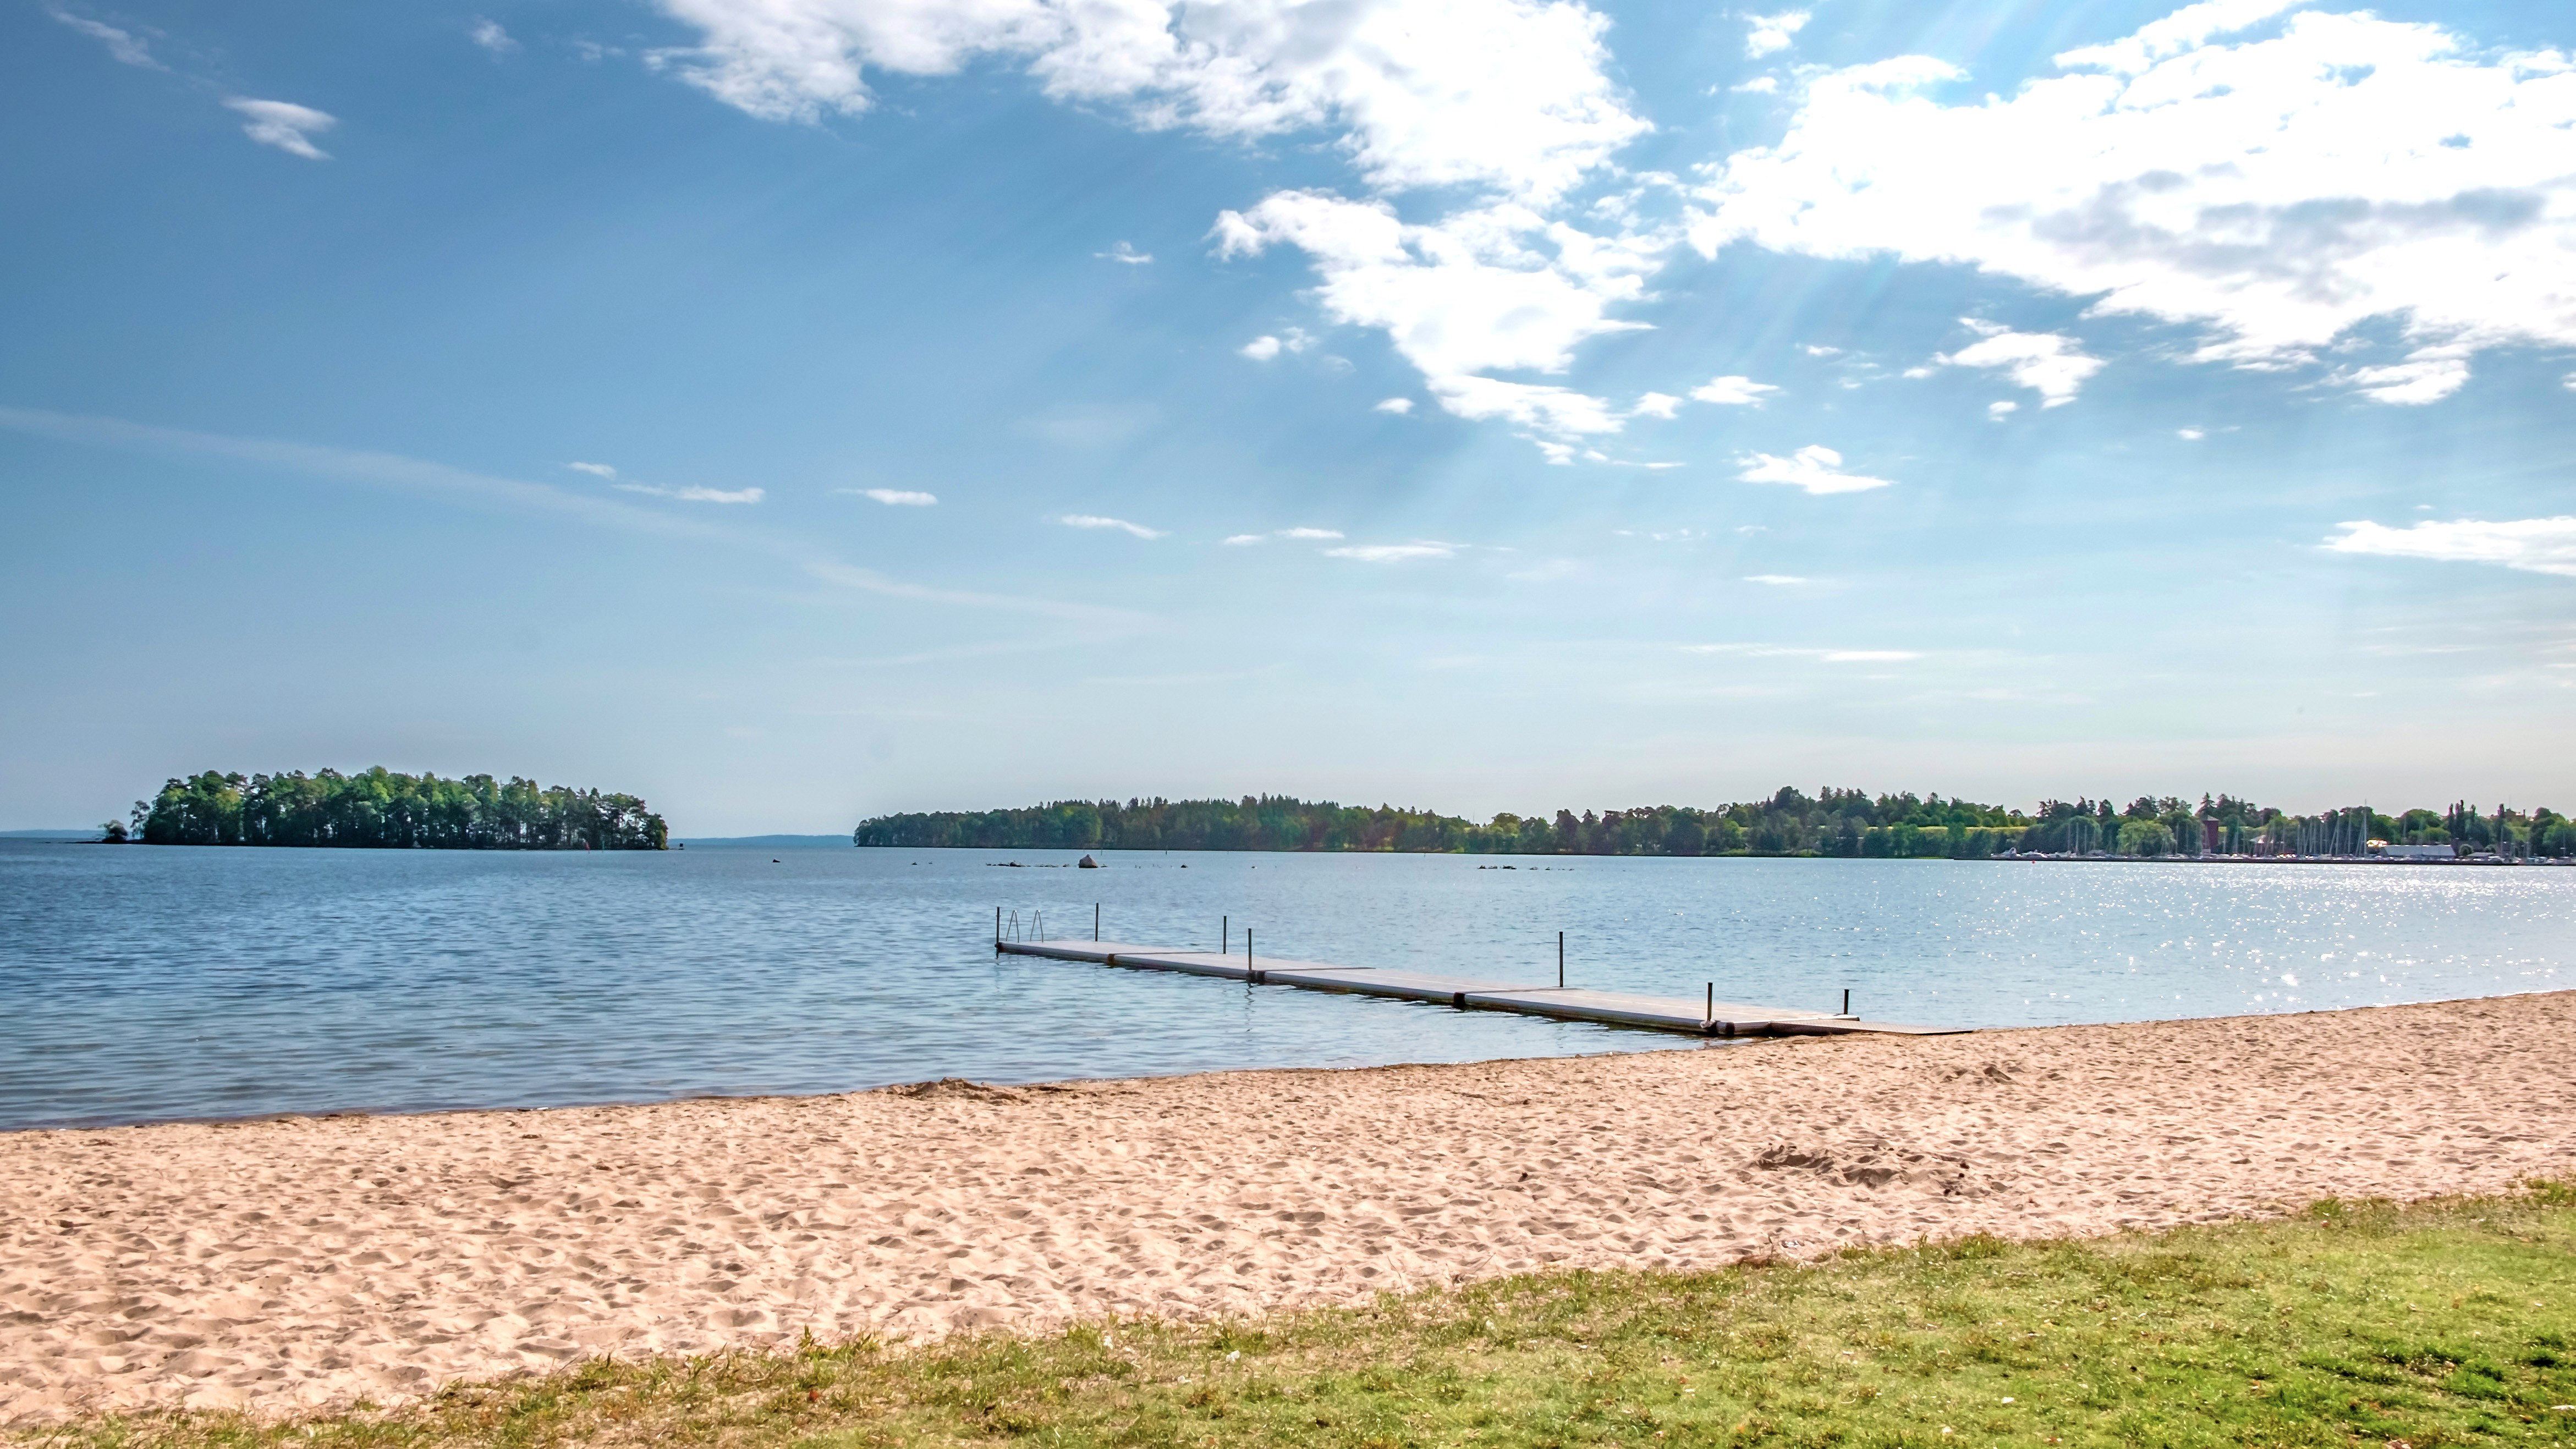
[(1224, 936), (1708, 1015), (1248, 973), (1560, 960), (997, 930), (1846, 1001), (1095, 923)]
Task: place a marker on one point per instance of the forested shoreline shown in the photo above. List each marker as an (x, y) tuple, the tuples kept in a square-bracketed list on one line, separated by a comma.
[(379, 809), (1831, 822)]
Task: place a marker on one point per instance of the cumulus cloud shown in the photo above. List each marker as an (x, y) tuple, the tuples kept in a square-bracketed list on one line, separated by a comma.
[(488, 34), (1264, 348), (284, 124), (2273, 192), (1125, 252), (2533, 545), (1818, 470), (2048, 363), (896, 497), (1488, 289), (694, 494), (1773, 33), (1734, 391), (1395, 552), (1513, 95), (1396, 405), (122, 45), (1657, 405), (1094, 520)]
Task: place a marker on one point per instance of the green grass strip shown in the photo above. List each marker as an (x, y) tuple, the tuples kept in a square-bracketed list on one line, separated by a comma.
[(2350, 1324)]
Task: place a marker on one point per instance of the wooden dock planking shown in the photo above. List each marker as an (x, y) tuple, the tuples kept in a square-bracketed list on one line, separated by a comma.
[(1609, 1008)]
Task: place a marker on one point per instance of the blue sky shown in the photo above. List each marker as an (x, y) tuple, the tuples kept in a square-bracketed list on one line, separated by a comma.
[(791, 410)]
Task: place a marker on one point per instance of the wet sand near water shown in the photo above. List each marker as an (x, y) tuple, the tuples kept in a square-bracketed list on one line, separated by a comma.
[(301, 1263)]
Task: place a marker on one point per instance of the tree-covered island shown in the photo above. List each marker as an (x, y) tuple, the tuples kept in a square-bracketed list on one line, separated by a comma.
[(1792, 822), (379, 809)]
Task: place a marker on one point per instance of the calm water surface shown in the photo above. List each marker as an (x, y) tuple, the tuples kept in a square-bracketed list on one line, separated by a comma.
[(147, 983)]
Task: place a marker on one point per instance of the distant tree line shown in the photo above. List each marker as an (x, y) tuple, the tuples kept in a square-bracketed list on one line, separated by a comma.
[(1830, 822), (380, 809)]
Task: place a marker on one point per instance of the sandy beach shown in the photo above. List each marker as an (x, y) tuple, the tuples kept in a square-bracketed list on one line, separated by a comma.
[(282, 1264)]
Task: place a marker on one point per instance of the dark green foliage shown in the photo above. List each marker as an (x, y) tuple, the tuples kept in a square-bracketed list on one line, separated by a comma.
[(377, 808), (1791, 822), (1834, 822)]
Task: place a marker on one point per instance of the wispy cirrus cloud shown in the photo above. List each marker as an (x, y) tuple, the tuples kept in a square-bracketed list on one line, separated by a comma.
[(1396, 552), (1125, 252), (123, 46), (423, 478), (1242, 539), (693, 494), (1794, 651), (893, 497), (1097, 521), (2532, 545)]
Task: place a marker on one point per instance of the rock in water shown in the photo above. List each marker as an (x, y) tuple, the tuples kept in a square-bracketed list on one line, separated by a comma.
[(1087, 863)]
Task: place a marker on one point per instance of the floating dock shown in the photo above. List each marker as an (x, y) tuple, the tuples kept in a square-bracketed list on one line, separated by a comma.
[(1705, 1017)]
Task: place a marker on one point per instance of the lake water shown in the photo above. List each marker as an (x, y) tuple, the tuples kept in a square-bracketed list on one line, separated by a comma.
[(140, 984)]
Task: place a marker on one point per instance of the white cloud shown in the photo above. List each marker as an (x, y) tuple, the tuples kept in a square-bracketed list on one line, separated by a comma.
[(2048, 363), (1656, 405), (1396, 405), (1512, 95), (1264, 348), (1491, 288), (1775, 580), (1094, 520), (1816, 469), (1773, 33), (284, 124), (1734, 391), (596, 470), (1760, 85), (896, 497), (2534, 545), (2002, 409), (122, 45), (2274, 192), (694, 494), (2190, 435), (1303, 534), (1555, 412), (1394, 552), (1125, 252), (2428, 374), (1813, 350), (488, 34)]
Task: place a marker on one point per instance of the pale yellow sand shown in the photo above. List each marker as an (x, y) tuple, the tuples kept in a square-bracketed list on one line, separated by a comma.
[(278, 1264)]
